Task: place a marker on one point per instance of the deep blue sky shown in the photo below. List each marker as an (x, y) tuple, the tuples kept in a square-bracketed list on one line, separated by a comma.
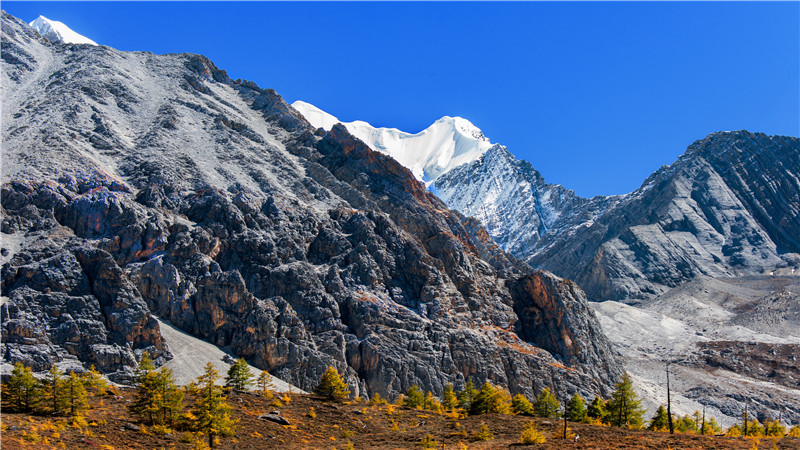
[(595, 95)]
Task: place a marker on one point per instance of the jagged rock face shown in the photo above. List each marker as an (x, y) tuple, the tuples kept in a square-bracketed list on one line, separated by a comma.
[(729, 206), (211, 203)]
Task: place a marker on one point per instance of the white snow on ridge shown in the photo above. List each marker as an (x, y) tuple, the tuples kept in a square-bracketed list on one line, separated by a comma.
[(55, 31), (448, 143)]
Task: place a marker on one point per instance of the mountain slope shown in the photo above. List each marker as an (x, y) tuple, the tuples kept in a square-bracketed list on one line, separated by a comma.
[(729, 206), (448, 143), (513, 201), (55, 31), (138, 183)]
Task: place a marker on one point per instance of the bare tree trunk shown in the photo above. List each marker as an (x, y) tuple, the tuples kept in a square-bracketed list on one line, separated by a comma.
[(669, 406), (703, 425), (745, 417)]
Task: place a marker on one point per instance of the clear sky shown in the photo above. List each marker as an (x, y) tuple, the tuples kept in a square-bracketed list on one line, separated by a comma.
[(595, 95)]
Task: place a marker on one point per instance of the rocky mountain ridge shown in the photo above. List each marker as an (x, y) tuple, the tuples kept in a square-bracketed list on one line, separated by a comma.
[(730, 206), (136, 184)]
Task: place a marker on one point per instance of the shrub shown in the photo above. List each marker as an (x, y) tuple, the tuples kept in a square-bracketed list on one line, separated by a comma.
[(484, 434), (530, 435), (377, 400), (428, 442)]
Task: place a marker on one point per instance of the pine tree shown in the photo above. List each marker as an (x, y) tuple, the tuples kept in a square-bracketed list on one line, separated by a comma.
[(660, 421), (624, 407), (521, 405), (211, 411), (449, 399), (546, 405), (22, 390), (597, 410), (414, 397), (239, 376), (467, 395), (75, 395), (53, 390), (331, 385), (264, 382), (576, 408)]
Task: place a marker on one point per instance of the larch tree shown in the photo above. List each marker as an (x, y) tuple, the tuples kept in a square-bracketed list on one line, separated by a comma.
[(22, 389), (94, 381), (546, 405), (158, 399), (264, 382), (521, 405), (491, 400), (449, 399), (75, 395), (597, 410), (239, 376), (576, 408), (211, 410), (659, 421), (53, 390), (467, 395), (624, 408), (332, 386), (169, 396), (145, 403), (414, 397)]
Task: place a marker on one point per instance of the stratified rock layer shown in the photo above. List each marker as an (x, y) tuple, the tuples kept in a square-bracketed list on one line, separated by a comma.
[(137, 183)]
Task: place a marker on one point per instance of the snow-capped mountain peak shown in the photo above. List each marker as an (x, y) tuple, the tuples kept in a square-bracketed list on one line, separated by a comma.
[(55, 31), (446, 144)]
